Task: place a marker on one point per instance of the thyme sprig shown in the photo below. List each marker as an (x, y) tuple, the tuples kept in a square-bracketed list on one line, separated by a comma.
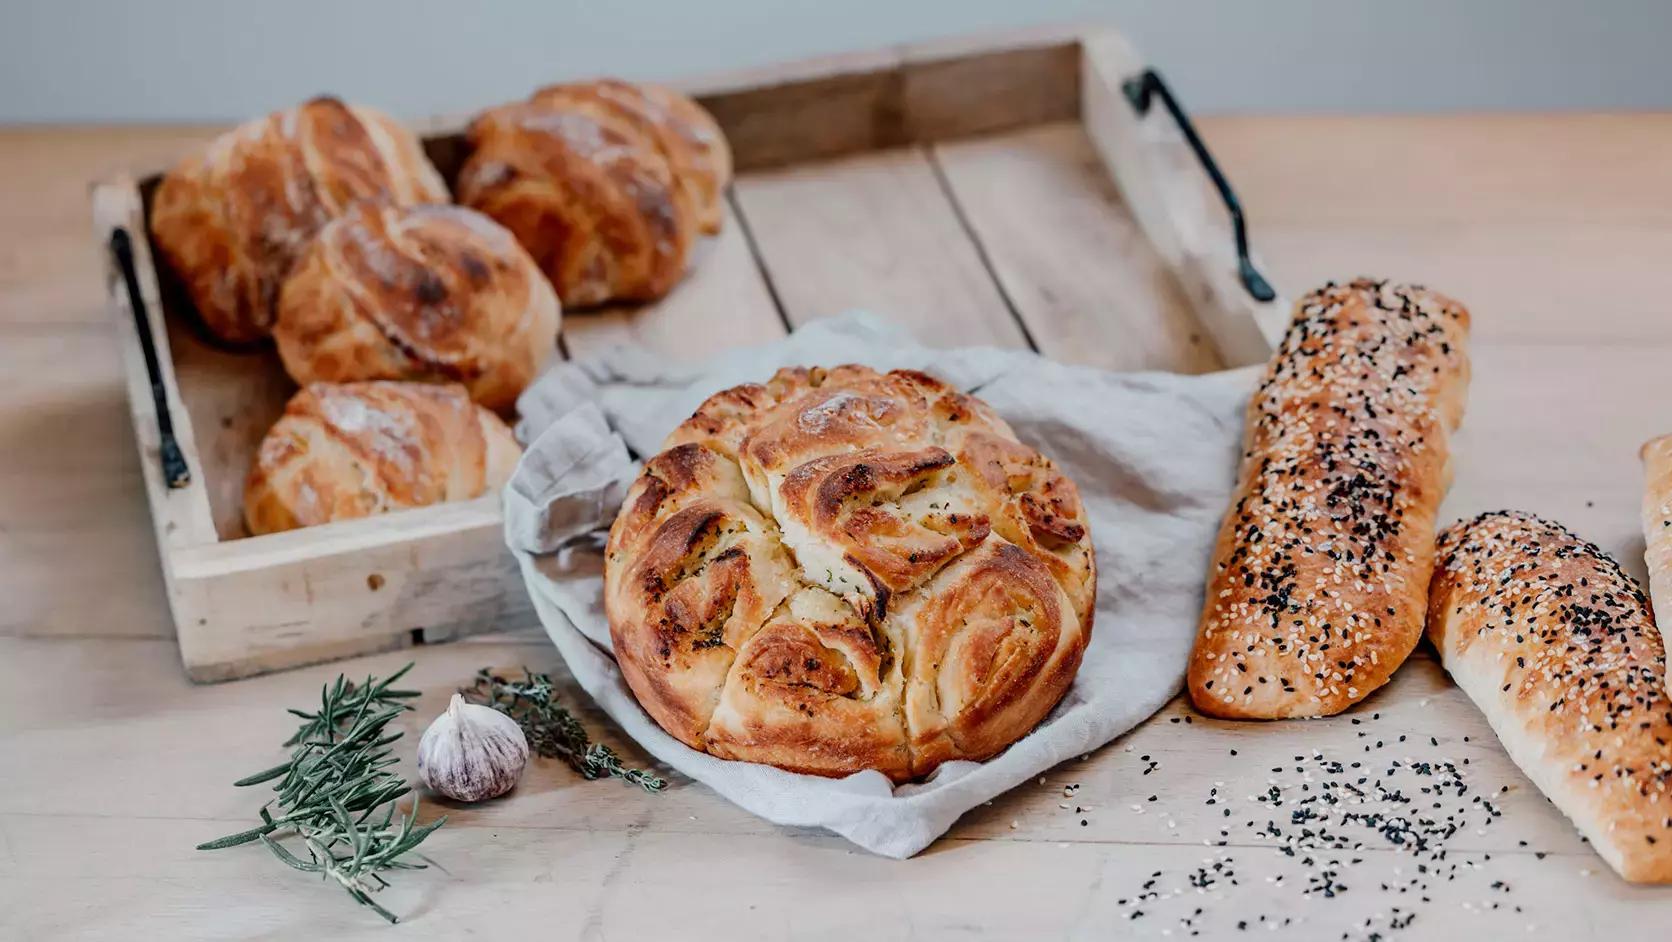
[(336, 794), (552, 730)]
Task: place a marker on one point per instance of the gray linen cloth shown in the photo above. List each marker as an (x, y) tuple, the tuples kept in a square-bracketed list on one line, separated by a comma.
[(1154, 456)]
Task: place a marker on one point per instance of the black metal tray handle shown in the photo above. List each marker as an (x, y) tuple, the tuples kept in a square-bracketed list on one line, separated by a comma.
[(1141, 91), (175, 472)]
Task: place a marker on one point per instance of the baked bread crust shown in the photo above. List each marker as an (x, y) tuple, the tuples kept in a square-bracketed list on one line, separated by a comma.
[(1320, 572), (607, 184), (342, 451), (1657, 529), (232, 220), (686, 135), (428, 293), (841, 570), (1555, 644)]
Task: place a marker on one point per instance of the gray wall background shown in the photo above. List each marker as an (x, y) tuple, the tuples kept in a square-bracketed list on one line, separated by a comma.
[(217, 60)]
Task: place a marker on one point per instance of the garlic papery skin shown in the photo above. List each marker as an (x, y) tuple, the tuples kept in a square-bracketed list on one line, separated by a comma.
[(472, 752)]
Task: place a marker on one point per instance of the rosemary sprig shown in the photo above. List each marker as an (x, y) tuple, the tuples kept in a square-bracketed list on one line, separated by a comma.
[(552, 730), (337, 792)]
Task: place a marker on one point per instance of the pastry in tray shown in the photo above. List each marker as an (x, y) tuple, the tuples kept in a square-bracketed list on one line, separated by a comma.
[(841, 570), (431, 293), (233, 219), (343, 451), (607, 183)]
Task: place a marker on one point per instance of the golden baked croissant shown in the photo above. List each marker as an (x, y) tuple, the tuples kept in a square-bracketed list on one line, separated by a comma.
[(433, 293), (842, 570), (606, 183), (232, 220), (350, 450)]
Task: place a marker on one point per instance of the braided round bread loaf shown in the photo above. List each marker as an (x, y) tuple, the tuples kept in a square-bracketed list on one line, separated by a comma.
[(232, 220), (606, 183), (431, 293), (842, 570), (342, 451)]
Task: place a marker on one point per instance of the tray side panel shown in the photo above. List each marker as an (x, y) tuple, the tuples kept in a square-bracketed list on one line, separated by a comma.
[(307, 596), (232, 395), (181, 515), (870, 101)]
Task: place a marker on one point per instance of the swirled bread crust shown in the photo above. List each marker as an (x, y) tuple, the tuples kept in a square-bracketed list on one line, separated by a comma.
[(841, 569), (1555, 644), (687, 136), (606, 183), (232, 220), (350, 450), (1320, 573), (429, 293)]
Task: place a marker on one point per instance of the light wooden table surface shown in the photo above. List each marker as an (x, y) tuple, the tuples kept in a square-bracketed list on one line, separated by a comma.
[(1556, 230)]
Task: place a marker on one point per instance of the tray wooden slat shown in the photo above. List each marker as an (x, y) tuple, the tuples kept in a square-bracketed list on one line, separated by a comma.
[(875, 231), (1077, 269), (888, 98)]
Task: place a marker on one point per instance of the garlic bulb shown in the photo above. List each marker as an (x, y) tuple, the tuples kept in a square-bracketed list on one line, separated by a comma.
[(472, 752)]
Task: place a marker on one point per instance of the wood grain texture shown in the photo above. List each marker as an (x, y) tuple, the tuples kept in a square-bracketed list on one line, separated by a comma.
[(1081, 273), (585, 857), (181, 514), (305, 596), (877, 232), (47, 274), (910, 94), (1614, 278), (1460, 168)]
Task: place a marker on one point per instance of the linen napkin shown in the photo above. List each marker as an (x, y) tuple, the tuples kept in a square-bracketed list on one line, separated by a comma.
[(1154, 456)]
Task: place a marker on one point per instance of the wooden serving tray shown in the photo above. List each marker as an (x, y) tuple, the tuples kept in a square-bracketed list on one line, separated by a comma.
[(1030, 190)]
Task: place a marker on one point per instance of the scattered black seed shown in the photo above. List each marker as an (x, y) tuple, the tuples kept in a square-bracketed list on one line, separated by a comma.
[(1321, 813)]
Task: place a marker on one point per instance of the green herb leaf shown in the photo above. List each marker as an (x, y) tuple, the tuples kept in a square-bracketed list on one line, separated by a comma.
[(327, 796)]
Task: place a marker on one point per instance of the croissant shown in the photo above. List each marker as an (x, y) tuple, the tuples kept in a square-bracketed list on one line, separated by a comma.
[(842, 570), (232, 220), (342, 451), (606, 183), (432, 293)]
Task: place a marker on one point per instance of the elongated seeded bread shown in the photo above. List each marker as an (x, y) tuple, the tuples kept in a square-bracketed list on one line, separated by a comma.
[(1320, 575), (1555, 644)]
